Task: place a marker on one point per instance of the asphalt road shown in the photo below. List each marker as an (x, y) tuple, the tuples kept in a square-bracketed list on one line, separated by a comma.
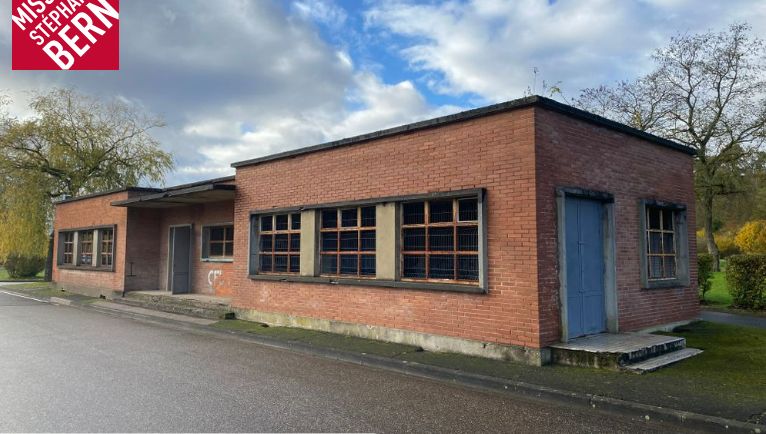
[(68, 369)]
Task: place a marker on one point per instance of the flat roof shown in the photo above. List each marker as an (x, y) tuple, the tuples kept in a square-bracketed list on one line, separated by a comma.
[(535, 100), (147, 190), (197, 194)]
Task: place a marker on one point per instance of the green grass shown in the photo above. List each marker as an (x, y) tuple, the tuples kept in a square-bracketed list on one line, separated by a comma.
[(727, 380), (718, 296), (5, 277)]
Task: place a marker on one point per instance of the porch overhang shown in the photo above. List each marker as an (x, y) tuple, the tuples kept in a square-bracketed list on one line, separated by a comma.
[(196, 195)]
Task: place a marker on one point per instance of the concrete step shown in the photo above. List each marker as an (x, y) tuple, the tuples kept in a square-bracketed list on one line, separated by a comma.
[(198, 306), (655, 363), (614, 351)]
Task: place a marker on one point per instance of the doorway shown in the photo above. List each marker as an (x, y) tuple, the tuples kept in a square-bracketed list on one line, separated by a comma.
[(180, 259)]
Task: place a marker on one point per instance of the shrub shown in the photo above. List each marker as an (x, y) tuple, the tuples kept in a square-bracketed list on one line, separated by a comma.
[(726, 245), (751, 239), (23, 266), (704, 273), (746, 278)]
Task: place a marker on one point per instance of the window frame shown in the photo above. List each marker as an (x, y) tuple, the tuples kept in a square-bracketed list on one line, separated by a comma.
[(205, 242), (681, 245), (313, 239), (339, 252), (96, 250), (455, 224), (255, 246)]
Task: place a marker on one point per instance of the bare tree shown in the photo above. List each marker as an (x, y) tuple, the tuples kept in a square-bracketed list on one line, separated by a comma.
[(708, 91)]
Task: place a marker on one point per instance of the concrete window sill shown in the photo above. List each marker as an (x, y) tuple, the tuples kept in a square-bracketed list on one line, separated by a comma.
[(426, 286), (86, 268)]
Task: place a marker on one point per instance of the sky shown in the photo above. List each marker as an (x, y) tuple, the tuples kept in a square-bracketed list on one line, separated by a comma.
[(239, 79)]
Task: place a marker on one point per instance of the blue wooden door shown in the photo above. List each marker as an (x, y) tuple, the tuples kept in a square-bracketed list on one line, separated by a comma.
[(584, 233)]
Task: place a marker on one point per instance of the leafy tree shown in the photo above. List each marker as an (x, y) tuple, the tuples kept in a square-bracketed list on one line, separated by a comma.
[(708, 91), (751, 238), (72, 145)]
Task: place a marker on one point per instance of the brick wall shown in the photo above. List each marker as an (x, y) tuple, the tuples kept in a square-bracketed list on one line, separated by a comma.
[(494, 152), (576, 154), (212, 278), (84, 213)]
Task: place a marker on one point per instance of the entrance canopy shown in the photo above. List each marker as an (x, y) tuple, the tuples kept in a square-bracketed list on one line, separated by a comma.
[(197, 194)]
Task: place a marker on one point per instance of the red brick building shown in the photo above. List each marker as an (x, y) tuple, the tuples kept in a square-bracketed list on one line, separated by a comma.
[(497, 232)]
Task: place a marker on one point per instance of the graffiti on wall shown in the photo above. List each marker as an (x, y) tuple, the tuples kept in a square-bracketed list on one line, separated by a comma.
[(212, 277)]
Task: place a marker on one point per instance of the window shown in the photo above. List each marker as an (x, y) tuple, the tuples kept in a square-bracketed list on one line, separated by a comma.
[(347, 243), (661, 243), (440, 240), (218, 242), (107, 248), (86, 248), (279, 243), (67, 251)]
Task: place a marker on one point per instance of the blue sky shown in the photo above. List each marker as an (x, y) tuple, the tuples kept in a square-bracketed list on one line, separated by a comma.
[(238, 79)]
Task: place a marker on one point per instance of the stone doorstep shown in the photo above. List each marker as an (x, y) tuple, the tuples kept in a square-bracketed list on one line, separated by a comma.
[(207, 307), (615, 351), (655, 363)]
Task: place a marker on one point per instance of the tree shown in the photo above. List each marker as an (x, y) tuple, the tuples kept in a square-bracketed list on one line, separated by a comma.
[(72, 145), (751, 238), (707, 91), (81, 145)]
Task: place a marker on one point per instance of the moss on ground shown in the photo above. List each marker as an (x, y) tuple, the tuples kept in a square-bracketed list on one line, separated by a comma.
[(727, 380)]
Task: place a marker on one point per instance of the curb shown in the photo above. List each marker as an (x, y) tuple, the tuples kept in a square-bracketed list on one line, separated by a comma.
[(644, 411)]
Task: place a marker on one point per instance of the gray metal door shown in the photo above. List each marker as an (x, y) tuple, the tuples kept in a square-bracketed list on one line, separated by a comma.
[(585, 267), (180, 259)]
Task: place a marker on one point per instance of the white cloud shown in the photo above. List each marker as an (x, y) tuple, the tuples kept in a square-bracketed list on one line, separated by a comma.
[(323, 11), (490, 47)]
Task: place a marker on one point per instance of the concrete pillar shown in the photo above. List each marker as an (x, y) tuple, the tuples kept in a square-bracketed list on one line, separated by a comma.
[(96, 259), (386, 258), (309, 243)]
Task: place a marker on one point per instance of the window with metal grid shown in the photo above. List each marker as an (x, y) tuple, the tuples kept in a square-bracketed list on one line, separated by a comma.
[(86, 248), (107, 247), (67, 252), (661, 243), (219, 242), (347, 245), (279, 239), (440, 240)]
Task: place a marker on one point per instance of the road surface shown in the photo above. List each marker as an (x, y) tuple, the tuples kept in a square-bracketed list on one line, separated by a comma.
[(69, 369)]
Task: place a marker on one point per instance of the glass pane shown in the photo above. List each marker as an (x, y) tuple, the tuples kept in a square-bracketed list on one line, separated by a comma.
[(348, 218), (281, 222), (441, 239), (468, 210), (668, 242), (655, 242), (414, 266), (670, 267), (441, 267), (329, 264), (413, 213), (655, 267), (295, 242), (265, 264), (440, 211), (295, 263), (348, 264), (367, 266), (349, 241), (229, 249), (267, 243), (329, 219), (295, 222), (468, 238), (468, 267), (229, 233), (667, 220), (216, 233), (280, 243), (414, 239), (107, 234), (367, 239), (653, 215), (280, 263), (368, 217), (329, 241), (216, 249), (266, 223)]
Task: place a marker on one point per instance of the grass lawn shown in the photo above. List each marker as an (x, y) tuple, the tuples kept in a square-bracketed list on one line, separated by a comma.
[(718, 296), (4, 275), (727, 380)]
